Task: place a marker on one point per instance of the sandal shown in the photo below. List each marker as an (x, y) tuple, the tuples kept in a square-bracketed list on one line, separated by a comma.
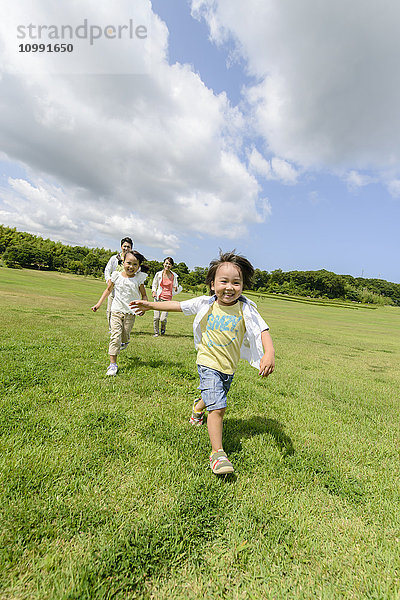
[(220, 464), (197, 418)]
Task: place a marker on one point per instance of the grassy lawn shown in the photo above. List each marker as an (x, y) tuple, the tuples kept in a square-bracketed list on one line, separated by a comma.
[(105, 487)]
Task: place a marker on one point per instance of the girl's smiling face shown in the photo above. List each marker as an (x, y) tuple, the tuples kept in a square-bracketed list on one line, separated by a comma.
[(228, 284), (131, 264)]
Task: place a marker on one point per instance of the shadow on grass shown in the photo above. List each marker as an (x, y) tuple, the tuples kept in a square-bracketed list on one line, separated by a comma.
[(173, 367), (139, 333), (235, 430), (153, 363)]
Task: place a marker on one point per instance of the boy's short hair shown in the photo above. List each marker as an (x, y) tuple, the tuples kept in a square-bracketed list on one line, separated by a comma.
[(127, 239), (244, 266)]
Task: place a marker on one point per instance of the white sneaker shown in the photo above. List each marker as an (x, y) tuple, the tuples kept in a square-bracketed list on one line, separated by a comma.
[(124, 345), (112, 369)]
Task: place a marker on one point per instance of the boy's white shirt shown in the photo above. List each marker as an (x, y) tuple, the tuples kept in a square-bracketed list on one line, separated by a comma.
[(156, 285), (252, 349)]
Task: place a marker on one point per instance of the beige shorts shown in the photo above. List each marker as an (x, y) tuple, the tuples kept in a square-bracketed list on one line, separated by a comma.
[(120, 331)]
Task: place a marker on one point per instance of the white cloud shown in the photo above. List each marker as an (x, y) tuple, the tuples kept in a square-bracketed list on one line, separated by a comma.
[(285, 172), (394, 188), (158, 154), (356, 180), (48, 210), (275, 169), (258, 164), (328, 83)]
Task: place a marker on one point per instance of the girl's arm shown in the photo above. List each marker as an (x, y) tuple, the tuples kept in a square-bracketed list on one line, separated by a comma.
[(104, 295), (142, 291), (267, 363), (154, 285), (144, 305), (140, 311)]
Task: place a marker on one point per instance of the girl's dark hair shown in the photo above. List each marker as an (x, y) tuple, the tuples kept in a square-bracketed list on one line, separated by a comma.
[(127, 239), (244, 266), (140, 259), (171, 260)]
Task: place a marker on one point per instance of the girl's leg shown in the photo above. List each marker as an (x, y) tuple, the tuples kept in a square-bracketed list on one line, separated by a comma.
[(156, 322), (163, 320), (115, 342), (214, 424), (128, 323), (115, 335)]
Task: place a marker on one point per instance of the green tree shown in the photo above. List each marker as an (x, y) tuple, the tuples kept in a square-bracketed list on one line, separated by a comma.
[(181, 269), (277, 276), (196, 277), (260, 279), (26, 255)]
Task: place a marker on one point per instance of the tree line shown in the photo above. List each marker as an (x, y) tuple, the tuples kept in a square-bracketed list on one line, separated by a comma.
[(25, 250), (325, 284)]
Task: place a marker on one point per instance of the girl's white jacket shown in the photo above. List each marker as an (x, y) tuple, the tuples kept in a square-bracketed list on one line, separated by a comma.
[(252, 349), (156, 285)]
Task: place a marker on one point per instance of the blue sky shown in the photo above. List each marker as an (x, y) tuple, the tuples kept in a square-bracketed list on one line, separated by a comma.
[(270, 126)]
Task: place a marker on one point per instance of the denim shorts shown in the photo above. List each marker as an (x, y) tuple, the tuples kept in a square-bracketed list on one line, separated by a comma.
[(214, 387)]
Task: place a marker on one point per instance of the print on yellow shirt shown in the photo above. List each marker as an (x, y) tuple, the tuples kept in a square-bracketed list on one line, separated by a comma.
[(222, 330), (226, 323)]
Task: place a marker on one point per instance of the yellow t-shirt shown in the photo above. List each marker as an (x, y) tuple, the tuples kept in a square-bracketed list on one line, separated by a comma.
[(222, 332)]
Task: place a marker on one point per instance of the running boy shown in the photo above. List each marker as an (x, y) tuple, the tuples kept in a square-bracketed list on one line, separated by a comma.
[(227, 326), (128, 285)]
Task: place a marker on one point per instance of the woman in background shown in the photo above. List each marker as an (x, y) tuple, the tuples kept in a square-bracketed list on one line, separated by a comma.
[(165, 284)]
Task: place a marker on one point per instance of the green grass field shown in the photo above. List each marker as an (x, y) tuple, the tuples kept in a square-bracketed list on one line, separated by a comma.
[(105, 487)]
